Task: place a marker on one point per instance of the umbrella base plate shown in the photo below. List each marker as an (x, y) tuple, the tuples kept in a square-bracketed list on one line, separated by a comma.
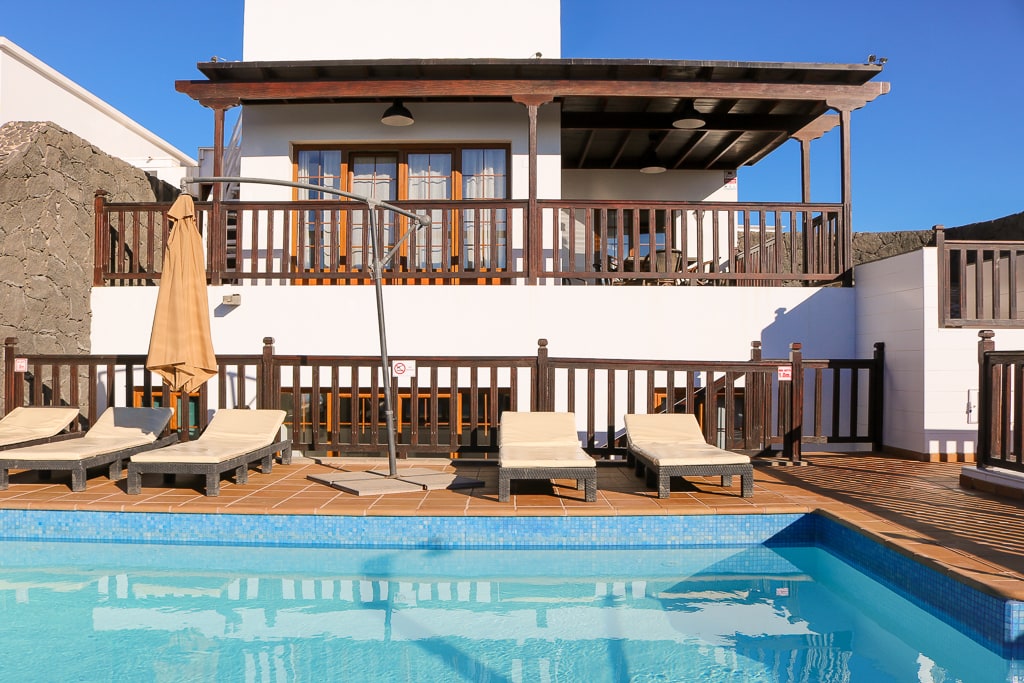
[(375, 483)]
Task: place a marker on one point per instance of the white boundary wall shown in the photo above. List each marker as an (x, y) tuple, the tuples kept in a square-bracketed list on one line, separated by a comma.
[(32, 91), (683, 323), (929, 370)]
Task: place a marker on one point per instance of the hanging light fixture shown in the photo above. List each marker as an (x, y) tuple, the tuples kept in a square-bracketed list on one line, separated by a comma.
[(688, 117), (650, 164), (397, 115)]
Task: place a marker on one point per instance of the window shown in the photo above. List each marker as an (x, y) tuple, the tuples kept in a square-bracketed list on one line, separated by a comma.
[(473, 239)]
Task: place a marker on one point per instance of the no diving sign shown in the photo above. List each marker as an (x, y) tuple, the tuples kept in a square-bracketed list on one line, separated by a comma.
[(403, 368)]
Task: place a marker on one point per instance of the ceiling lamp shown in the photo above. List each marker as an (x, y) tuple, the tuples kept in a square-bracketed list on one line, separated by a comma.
[(688, 117), (397, 115), (649, 162)]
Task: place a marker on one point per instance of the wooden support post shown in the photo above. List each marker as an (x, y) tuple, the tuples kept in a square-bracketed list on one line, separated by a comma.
[(942, 273), (794, 430), (543, 389), (217, 237), (10, 384), (533, 236), (983, 444), (876, 398), (102, 242), (754, 404), (265, 394)]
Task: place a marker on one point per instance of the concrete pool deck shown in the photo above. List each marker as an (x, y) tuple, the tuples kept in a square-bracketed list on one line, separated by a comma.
[(916, 508)]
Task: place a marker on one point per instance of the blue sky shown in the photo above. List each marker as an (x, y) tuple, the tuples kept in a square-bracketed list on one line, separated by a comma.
[(944, 146)]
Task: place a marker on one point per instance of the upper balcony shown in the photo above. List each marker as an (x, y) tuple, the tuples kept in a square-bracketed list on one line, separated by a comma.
[(570, 128), (489, 242)]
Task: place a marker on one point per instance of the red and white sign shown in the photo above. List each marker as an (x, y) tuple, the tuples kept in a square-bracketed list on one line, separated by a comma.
[(785, 373), (21, 364), (403, 368)]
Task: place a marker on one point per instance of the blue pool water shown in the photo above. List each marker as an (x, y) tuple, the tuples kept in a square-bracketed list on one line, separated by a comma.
[(419, 607)]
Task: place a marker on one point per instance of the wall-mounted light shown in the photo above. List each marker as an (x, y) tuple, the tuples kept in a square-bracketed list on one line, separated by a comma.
[(232, 300), (397, 115)]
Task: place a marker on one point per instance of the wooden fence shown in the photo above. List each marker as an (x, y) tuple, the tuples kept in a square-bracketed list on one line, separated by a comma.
[(1000, 406), (981, 283), (452, 406)]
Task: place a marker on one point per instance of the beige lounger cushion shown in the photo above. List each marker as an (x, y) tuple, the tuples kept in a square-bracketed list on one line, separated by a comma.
[(671, 454), (541, 440), (545, 456), (675, 439), (28, 424), (538, 429), (231, 432), (115, 430), (663, 428)]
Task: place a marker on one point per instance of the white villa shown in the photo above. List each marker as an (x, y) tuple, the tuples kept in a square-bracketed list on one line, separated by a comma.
[(557, 188)]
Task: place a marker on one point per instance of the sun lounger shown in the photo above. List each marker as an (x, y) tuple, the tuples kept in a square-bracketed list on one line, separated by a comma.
[(233, 440), (27, 426), (118, 434), (543, 446), (670, 445)]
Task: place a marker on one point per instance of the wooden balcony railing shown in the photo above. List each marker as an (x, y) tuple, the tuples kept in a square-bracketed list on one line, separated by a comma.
[(981, 283), (695, 242), (453, 405), (489, 242)]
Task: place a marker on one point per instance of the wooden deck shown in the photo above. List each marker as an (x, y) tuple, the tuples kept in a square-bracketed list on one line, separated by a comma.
[(915, 507)]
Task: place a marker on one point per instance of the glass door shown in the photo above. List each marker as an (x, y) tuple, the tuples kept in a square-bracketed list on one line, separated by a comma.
[(376, 176)]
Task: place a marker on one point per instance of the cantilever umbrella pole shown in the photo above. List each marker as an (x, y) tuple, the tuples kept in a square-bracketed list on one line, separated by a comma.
[(377, 266)]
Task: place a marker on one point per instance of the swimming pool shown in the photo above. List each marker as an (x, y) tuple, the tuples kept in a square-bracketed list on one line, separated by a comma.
[(655, 598)]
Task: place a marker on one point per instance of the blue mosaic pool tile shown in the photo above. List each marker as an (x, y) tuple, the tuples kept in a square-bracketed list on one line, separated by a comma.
[(997, 623), (986, 618)]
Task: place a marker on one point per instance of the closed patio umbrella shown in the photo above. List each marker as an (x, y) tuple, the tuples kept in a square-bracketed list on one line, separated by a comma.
[(180, 346)]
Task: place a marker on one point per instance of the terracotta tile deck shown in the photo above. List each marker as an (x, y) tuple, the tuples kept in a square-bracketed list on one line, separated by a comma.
[(915, 507)]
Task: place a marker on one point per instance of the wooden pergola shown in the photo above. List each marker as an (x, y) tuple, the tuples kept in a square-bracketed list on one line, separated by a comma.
[(613, 112)]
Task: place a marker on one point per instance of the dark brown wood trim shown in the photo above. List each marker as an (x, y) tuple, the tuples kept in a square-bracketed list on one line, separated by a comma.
[(211, 93)]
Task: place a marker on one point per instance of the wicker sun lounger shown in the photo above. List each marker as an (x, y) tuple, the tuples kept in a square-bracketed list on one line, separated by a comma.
[(543, 446), (118, 434), (670, 445), (234, 439), (27, 426)]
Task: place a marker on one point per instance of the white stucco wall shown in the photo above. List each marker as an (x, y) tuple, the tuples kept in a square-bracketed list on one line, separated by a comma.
[(32, 91), (890, 309), (631, 185), (400, 29), (685, 323)]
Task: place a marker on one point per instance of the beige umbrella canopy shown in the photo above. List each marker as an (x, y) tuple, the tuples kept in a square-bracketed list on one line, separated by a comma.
[(180, 346)]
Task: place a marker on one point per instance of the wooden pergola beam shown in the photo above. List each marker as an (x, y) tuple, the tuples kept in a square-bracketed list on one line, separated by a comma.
[(207, 92), (645, 121)]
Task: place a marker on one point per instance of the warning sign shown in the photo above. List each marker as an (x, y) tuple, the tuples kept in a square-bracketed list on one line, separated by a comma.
[(785, 373), (403, 368), (21, 364)]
